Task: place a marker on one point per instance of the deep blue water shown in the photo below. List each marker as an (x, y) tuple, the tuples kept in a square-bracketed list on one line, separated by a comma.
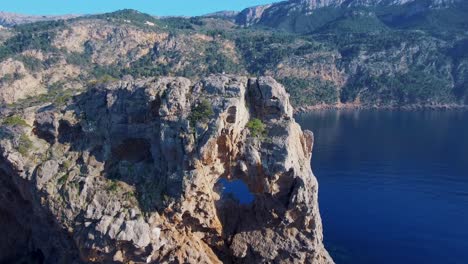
[(237, 190), (393, 185)]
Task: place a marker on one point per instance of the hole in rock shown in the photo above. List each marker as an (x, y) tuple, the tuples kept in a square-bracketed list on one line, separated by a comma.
[(232, 112), (133, 150), (235, 190), (68, 133)]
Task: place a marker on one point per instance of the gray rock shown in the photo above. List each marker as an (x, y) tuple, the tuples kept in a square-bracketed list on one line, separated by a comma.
[(46, 172), (142, 162), (46, 125)]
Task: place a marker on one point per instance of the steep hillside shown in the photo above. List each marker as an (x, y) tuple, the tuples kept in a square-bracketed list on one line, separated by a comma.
[(308, 15), (354, 56)]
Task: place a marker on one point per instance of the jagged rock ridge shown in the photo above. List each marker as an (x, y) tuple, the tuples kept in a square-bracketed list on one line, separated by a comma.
[(129, 171)]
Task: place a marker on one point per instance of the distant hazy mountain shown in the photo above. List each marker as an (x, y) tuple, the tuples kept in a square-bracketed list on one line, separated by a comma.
[(12, 19), (304, 15), (223, 14)]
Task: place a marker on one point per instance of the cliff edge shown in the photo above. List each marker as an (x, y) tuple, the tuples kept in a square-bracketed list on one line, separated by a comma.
[(140, 171)]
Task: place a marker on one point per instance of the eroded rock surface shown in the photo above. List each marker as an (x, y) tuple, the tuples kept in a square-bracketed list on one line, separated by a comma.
[(129, 171)]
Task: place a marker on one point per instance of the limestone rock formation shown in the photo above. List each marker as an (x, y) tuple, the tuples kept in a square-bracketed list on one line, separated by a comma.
[(265, 13), (19, 82), (130, 172), (251, 15)]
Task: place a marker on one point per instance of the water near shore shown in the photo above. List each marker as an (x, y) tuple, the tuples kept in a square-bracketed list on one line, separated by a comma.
[(393, 185)]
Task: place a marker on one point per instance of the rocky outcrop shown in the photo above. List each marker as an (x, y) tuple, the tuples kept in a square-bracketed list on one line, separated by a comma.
[(131, 171), (19, 81), (251, 15), (16, 82), (108, 43)]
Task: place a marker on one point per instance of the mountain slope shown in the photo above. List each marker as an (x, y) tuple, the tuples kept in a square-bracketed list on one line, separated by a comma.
[(304, 16), (352, 56)]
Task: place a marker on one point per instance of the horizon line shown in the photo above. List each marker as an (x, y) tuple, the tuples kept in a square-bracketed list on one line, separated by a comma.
[(107, 12)]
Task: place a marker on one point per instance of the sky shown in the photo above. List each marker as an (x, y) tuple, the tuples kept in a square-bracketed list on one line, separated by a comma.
[(153, 7)]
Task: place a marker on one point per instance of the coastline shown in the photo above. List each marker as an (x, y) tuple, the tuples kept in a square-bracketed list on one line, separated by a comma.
[(414, 107)]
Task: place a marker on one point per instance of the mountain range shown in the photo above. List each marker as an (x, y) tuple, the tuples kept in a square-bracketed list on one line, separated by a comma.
[(362, 53), (299, 15)]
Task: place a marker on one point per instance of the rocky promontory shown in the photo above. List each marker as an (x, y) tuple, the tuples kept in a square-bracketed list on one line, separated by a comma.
[(136, 171)]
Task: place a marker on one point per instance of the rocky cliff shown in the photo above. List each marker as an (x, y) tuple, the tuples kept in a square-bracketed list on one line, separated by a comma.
[(263, 13), (269, 15), (138, 171)]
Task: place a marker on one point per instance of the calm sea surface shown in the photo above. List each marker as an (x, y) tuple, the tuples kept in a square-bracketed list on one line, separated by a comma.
[(393, 185)]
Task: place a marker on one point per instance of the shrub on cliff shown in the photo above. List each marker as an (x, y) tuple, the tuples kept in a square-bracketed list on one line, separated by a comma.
[(256, 127), (14, 121), (24, 144), (201, 112)]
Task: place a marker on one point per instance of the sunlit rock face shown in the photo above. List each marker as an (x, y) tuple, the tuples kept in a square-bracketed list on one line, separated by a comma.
[(133, 171)]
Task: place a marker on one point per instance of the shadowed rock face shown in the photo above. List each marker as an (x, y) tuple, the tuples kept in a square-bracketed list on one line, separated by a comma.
[(128, 171)]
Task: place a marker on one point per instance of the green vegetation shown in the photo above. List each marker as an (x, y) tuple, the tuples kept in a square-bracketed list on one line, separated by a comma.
[(310, 91), (152, 195), (201, 112), (179, 23), (128, 16), (210, 59), (263, 50), (437, 21), (146, 21), (113, 186), (62, 180), (79, 59), (9, 78), (129, 195), (37, 36), (56, 96), (102, 79), (24, 145), (423, 55), (256, 127), (145, 67), (356, 21), (411, 88), (217, 62), (66, 165), (30, 63), (34, 65), (14, 121)]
